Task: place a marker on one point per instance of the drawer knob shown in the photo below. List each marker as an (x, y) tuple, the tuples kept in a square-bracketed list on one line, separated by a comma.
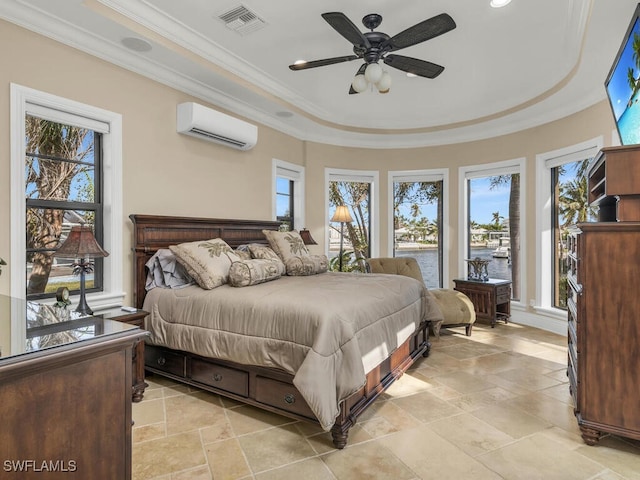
[(217, 377), (162, 361), (289, 398)]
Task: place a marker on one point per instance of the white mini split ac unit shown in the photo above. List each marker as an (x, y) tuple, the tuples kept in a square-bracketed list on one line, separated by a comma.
[(208, 124)]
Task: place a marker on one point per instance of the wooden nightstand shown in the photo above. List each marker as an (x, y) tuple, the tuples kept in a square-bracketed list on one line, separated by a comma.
[(132, 318), (491, 299)]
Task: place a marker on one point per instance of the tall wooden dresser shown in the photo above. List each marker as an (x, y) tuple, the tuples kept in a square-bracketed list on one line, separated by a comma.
[(604, 305)]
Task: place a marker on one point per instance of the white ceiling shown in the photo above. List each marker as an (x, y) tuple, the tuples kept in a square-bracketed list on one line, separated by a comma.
[(505, 69)]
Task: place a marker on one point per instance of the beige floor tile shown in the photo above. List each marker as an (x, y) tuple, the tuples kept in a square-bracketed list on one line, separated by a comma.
[(276, 447), (408, 384), (148, 412), (464, 382), (431, 456), (311, 469), (511, 420), (559, 392), (426, 407), (198, 473), (528, 379), (557, 413), (149, 432), (193, 411), (371, 461), (167, 455), (539, 458), (227, 460), (616, 454), (470, 434), (470, 410), (485, 398), (248, 419)]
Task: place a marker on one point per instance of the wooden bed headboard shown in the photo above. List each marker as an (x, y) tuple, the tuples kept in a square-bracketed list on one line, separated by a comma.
[(152, 232)]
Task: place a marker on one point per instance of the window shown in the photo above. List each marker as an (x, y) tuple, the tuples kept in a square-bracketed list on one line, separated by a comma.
[(493, 230), (417, 224), (288, 194), (357, 191), (63, 189), (561, 202), (95, 194)]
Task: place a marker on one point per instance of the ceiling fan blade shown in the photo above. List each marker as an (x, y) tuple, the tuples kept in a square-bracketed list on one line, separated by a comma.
[(414, 65), (346, 28), (420, 32), (322, 63), (360, 71)]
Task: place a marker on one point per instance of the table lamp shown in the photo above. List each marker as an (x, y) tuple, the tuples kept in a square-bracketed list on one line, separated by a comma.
[(81, 244)]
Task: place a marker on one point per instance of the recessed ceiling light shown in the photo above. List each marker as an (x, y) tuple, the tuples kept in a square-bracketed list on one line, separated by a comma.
[(499, 3), (136, 44), (411, 75), (298, 62)]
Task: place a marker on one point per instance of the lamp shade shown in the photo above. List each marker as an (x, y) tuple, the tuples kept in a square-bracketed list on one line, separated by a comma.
[(307, 239), (342, 215), (80, 243)]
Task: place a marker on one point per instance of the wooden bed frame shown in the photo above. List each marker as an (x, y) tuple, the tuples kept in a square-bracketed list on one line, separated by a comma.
[(267, 388)]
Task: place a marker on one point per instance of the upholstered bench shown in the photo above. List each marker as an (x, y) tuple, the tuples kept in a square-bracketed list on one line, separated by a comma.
[(457, 309)]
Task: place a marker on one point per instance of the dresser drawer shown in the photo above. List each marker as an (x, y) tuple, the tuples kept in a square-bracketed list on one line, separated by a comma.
[(218, 376), (503, 294), (165, 360), (281, 395)]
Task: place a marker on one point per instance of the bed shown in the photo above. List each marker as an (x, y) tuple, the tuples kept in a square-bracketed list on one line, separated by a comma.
[(251, 344)]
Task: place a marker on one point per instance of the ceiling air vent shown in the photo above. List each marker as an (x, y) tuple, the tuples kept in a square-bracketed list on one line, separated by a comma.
[(242, 20)]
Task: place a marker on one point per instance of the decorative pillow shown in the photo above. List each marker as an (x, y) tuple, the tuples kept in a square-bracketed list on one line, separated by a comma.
[(207, 261), (251, 272), (243, 253), (286, 244), (267, 253), (307, 265)]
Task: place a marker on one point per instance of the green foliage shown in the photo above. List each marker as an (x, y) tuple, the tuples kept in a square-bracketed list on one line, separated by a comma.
[(350, 263)]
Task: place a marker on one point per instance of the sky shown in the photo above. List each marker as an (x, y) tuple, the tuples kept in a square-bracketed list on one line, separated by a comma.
[(484, 201)]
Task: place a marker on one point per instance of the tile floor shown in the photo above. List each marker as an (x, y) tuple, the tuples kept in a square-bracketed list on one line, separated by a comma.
[(495, 405)]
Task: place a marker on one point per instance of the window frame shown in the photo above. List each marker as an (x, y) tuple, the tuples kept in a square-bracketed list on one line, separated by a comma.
[(97, 206), (504, 167), (295, 173), (365, 176), (543, 302), (430, 175), (25, 100)]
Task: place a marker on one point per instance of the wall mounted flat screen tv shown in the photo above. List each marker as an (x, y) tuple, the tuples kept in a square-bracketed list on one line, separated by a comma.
[(623, 84)]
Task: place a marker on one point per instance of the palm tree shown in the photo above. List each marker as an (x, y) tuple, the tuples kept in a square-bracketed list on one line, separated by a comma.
[(49, 179), (514, 225), (356, 196)]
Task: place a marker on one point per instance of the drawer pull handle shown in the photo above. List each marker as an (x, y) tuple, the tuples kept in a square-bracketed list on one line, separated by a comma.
[(162, 361), (289, 398), (217, 377)]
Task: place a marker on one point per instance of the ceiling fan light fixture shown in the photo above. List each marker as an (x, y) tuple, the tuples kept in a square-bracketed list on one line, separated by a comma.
[(373, 73), (384, 83), (499, 3), (359, 83)]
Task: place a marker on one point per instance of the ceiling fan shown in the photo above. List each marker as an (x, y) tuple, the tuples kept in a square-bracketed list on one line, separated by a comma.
[(375, 46)]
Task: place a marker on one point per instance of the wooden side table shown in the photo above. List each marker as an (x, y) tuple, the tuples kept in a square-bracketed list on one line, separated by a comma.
[(491, 299), (132, 318)]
